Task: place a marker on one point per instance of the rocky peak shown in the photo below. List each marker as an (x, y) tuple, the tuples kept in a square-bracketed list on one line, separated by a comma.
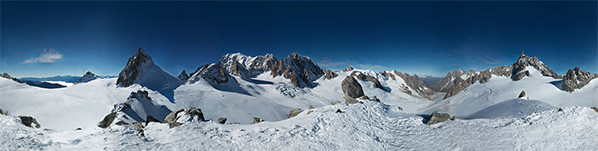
[(576, 78), (415, 83), (5, 75), (525, 61), (87, 77), (451, 80), (129, 74), (347, 69), (183, 76)]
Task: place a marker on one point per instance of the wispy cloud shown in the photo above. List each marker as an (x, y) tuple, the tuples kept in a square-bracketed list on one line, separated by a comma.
[(47, 56)]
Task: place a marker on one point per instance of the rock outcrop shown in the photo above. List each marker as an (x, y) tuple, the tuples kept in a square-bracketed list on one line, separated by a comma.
[(183, 76), (451, 80), (294, 113), (213, 73), (347, 69), (2, 112), (437, 118), (576, 78), (516, 72), (522, 94), (7, 76), (351, 87), (301, 70), (416, 84), (221, 120), (130, 73), (361, 76), (141, 69), (329, 74), (257, 120), (181, 116), (87, 77), (29, 121), (139, 107)]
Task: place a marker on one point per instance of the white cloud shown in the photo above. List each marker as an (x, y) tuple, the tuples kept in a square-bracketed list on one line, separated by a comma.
[(47, 56)]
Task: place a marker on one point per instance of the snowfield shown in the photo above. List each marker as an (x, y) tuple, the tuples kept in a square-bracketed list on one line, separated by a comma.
[(489, 116), (367, 126)]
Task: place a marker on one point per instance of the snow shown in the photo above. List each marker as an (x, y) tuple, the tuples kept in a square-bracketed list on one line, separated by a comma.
[(82, 105), (489, 115), (368, 126), (499, 89)]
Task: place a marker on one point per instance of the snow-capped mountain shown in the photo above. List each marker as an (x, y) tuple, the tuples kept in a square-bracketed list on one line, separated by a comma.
[(576, 79), (451, 80), (301, 70), (87, 77), (141, 69), (516, 71), (183, 76)]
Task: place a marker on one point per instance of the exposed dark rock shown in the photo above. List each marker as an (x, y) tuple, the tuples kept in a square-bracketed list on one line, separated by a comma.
[(328, 74), (108, 119), (5, 75), (294, 113), (78, 129), (257, 120), (560, 109), (183, 76), (520, 75), (595, 109), (339, 111), (349, 100), (2, 112), (29, 121), (351, 87), (522, 94), (176, 118), (347, 69), (129, 74), (400, 108), (87, 77), (576, 78), (437, 118), (310, 107), (376, 99), (514, 71), (415, 83), (451, 80), (222, 120), (365, 97), (388, 75), (358, 75), (377, 83), (211, 72)]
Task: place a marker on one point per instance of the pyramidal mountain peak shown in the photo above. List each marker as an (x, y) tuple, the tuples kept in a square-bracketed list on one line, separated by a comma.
[(140, 69)]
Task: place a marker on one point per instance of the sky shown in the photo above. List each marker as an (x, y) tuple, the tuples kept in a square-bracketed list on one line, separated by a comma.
[(40, 39)]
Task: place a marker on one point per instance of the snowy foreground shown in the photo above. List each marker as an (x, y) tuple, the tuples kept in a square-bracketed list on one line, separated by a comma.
[(367, 126), (489, 116)]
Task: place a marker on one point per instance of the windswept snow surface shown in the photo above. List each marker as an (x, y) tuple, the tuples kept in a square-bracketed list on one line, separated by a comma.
[(81, 105), (368, 126), (498, 89)]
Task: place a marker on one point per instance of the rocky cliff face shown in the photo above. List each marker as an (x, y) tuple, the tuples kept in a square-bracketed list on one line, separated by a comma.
[(212, 73), (415, 83), (516, 71), (576, 78), (141, 69), (130, 73), (451, 80), (183, 76), (87, 77), (5, 75), (301, 70)]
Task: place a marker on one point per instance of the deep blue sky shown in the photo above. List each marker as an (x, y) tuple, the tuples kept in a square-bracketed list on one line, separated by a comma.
[(430, 38)]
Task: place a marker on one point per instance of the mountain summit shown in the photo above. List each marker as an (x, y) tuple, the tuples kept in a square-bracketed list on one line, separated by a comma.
[(141, 69)]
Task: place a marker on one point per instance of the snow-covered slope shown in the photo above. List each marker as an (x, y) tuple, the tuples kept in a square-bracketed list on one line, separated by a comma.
[(480, 96), (141, 69), (368, 126), (81, 105)]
